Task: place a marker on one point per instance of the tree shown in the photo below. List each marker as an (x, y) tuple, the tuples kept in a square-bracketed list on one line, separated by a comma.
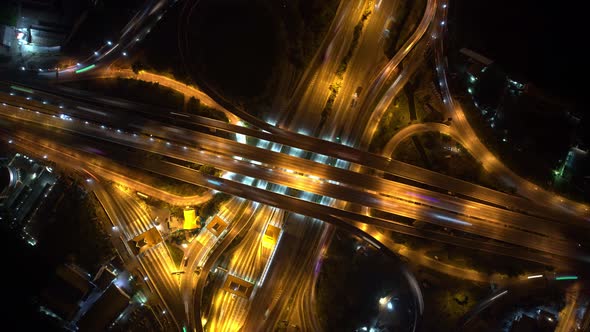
[(137, 66), (193, 105), (208, 170)]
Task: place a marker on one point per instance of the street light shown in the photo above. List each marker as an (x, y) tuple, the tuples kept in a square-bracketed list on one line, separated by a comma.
[(389, 306)]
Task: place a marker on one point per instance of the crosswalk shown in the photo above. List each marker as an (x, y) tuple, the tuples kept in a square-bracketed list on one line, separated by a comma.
[(132, 220), (135, 221), (231, 314), (248, 262), (158, 264)]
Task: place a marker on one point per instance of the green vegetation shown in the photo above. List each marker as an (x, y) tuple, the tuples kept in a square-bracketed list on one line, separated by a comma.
[(335, 86), (407, 152), (77, 232), (138, 66), (455, 304), (356, 35), (179, 236), (520, 136), (141, 319), (449, 299), (212, 206), (415, 105), (530, 163), (176, 253), (205, 210), (305, 23), (394, 119), (177, 187), (355, 279), (205, 169), (165, 183), (522, 299), (8, 13), (449, 157), (485, 262), (273, 40), (427, 108), (194, 106), (442, 154), (134, 90), (404, 23)]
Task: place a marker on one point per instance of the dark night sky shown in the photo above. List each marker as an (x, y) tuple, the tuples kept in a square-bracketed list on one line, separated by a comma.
[(542, 40)]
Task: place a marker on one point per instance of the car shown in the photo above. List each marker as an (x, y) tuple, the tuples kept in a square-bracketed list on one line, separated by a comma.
[(355, 96), (185, 261), (358, 91)]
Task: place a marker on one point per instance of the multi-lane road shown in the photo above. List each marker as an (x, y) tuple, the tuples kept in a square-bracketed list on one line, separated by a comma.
[(155, 264), (383, 164), (374, 192), (290, 169)]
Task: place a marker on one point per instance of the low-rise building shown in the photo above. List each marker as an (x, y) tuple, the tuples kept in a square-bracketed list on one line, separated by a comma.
[(524, 323), (104, 277), (190, 219), (67, 291), (24, 184), (105, 310)]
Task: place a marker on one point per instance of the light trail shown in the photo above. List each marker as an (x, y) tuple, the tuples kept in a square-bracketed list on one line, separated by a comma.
[(85, 69)]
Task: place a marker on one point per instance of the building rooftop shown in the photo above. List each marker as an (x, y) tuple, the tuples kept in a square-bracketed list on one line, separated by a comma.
[(524, 323), (30, 183), (65, 292), (105, 310), (104, 277), (476, 56), (8, 179)]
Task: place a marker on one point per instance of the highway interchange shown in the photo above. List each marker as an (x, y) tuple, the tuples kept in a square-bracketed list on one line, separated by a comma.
[(296, 165)]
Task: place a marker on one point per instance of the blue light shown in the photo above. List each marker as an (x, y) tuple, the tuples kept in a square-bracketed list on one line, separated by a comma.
[(451, 219)]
